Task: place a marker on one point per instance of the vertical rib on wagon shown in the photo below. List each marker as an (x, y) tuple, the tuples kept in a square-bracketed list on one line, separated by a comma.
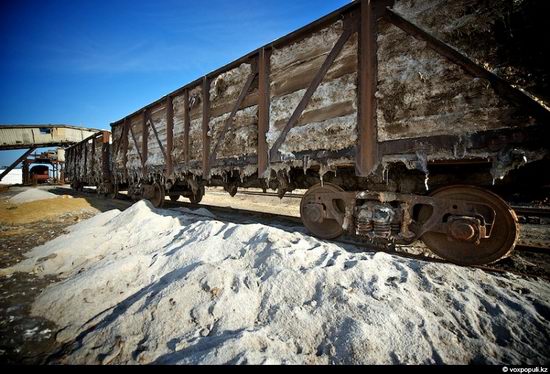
[(367, 146), (169, 136), (144, 138), (205, 121), (263, 109)]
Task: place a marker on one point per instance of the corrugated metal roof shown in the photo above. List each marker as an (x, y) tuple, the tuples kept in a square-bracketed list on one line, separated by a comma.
[(26, 136)]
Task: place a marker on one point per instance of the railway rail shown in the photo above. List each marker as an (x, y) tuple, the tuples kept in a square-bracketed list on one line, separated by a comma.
[(526, 214), (527, 210), (271, 194), (243, 216), (532, 215), (525, 262)]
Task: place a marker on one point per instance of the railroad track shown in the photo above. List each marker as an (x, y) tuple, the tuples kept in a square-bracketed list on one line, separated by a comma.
[(526, 210), (526, 214), (243, 216), (532, 215), (270, 194)]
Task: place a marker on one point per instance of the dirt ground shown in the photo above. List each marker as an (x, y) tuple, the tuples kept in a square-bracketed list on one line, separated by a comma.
[(28, 339), (269, 204), (24, 338)]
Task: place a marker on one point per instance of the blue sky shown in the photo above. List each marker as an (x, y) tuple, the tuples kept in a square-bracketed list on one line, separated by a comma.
[(91, 62)]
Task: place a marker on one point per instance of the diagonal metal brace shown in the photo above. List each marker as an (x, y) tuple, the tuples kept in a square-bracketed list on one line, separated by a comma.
[(135, 142), (150, 123), (349, 28), (12, 166), (500, 85), (229, 119), (123, 133)]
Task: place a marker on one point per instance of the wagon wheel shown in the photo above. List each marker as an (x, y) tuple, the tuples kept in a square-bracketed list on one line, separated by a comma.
[(174, 197), (114, 193), (196, 198), (99, 191), (158, 195), (78, 186), (324, 228), (500, 243)]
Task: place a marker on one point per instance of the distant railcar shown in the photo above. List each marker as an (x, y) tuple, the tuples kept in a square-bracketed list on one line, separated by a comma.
[(404, 119), (88, 163)]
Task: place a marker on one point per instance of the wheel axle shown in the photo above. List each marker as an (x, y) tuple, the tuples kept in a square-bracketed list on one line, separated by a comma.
[(463, 224)]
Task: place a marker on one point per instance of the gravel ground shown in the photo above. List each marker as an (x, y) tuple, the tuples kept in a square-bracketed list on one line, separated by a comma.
[(25, 338)]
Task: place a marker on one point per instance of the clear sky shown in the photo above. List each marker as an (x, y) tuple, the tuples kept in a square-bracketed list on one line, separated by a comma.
[(91, 62)]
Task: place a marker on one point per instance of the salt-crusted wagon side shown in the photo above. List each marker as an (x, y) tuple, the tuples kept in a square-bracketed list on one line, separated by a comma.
[(372, 108), (88, 163)]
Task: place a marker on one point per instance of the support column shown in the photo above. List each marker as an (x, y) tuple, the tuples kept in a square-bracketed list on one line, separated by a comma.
[(16, 162)]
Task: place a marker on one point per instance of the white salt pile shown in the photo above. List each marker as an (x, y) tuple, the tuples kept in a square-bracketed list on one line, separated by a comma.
[(200, 212), (15, 176), (31, 194), (159, 286)]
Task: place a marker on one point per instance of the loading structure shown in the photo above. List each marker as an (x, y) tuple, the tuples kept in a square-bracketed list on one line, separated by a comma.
[(31, 137)]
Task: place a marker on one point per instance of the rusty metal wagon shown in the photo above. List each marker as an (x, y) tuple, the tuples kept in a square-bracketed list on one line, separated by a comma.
[(391, 113), (88, 163)]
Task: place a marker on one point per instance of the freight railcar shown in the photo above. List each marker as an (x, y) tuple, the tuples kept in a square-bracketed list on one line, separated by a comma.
[(88, 163), (404, 119)]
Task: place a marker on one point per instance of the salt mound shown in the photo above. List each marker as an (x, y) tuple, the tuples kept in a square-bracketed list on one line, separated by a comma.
[(32, 194), (158, 286), (15, 176), (200, 212)]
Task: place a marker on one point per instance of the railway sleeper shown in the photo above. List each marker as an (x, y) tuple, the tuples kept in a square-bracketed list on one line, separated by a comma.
[(464, 224)]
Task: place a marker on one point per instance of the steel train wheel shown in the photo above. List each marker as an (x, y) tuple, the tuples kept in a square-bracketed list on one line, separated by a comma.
[(196, 198), (114, 193), (77, 186), (326, 228), (500, 243), (159, 194)]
